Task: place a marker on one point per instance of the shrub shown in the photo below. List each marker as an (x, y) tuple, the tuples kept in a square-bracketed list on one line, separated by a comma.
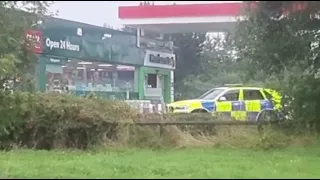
[(49, 120)]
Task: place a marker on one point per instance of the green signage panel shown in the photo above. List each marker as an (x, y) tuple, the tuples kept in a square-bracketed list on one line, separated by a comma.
[(111, 49)]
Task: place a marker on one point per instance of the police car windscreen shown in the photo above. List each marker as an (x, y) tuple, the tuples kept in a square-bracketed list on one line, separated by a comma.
[(211, 94)]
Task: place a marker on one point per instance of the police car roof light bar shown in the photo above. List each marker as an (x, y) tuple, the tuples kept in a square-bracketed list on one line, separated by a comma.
[(233, 85)]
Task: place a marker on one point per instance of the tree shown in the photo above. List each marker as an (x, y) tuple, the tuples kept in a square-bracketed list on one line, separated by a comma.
[(218, 65), (281, 39), (188, 55), (17, 17)]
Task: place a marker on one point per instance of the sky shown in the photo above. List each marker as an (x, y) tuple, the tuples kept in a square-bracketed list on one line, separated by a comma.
[(100, 12)]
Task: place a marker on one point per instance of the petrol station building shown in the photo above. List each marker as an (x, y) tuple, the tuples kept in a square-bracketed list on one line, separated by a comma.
[(82, 58)]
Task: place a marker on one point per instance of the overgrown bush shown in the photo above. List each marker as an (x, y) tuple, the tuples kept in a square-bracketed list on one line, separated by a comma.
[(49, 120)]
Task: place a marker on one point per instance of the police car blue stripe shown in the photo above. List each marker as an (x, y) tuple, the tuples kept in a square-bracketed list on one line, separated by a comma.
[(238, 106), (210, 106), (266, 104)]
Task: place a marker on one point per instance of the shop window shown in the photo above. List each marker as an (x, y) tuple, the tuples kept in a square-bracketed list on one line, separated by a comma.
[(152, 81), (76, 75)]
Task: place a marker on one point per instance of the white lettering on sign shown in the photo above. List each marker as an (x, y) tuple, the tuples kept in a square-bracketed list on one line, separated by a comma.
[(160, 59), (72, 47), (67, 45), (33, 37), (54, 60), (52, 44)]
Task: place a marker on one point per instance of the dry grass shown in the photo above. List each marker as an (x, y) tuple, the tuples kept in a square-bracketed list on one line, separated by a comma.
[(219, 136)]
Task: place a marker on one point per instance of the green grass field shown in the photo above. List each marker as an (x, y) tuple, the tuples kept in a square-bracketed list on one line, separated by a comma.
[(178, 163)]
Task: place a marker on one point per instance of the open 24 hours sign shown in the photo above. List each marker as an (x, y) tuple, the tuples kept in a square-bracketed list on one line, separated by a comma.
[(58, 45)]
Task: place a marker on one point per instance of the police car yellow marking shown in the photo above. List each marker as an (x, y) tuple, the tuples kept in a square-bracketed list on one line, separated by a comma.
[(239, 115), (224, 106), (277, 98), (253, 106)]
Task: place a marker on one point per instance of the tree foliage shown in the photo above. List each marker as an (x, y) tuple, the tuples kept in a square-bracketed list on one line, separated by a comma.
[(280, 39), (17, 17), (219, 65), (188, 54)]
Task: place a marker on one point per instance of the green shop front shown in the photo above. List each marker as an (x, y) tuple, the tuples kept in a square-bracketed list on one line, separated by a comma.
[(83, 59)]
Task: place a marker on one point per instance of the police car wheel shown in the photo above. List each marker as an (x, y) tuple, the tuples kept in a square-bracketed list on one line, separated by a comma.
[(267, 116), (199, 111)]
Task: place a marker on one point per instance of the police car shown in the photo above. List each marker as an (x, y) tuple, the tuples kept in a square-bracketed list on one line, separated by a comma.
[(232, 100)]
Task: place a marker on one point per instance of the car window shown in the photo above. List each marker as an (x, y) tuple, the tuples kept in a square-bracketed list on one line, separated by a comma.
[(268, 95), (213, 93), (232, 95), (252, 95)]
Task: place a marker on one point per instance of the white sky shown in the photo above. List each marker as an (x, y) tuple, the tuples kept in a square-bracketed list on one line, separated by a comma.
[(99, 12)]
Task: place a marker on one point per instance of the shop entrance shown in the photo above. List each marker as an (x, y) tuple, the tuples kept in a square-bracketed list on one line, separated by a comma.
[(152, 80), (155, 81), (154, 85)]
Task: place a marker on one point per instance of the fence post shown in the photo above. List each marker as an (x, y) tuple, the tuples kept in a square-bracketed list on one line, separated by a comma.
[(161, 129), (161, 126)]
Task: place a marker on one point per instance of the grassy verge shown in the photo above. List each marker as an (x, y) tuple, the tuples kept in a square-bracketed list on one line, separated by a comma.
[(179, 163)]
